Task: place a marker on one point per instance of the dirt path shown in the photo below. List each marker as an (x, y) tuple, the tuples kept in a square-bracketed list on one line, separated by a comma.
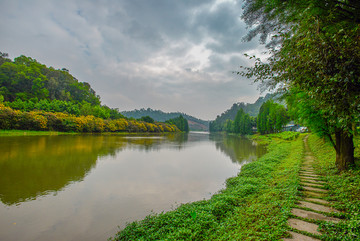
[(312, 207)]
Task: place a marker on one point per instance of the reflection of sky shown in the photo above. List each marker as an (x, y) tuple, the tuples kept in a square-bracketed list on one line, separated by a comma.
[(123, 187)]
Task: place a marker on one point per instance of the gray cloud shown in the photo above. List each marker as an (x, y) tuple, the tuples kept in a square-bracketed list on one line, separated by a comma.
[(169, 55)]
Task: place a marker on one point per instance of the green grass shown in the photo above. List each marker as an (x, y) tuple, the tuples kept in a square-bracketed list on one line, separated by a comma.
[(255, 205), (344, 190), (32, 133)]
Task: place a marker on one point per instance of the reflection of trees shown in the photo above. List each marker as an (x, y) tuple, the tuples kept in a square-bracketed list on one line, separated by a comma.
[(33, 166), (38, 165), (239, 149)]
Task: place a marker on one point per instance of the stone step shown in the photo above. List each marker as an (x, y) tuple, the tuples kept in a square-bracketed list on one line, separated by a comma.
[(304, 226), (299, 237), (311, 184), (312, 181), (310, 178), (309, 175), (312, 215), (307, 164), (308, 169), (307, 188), (317, 200), (314, 194), (316, 207)]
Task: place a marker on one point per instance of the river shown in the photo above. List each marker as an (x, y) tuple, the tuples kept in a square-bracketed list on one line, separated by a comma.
[(82, 187)]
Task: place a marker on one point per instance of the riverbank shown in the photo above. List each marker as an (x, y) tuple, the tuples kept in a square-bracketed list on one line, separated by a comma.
[(33, 133), (256, 204), (57, 133)]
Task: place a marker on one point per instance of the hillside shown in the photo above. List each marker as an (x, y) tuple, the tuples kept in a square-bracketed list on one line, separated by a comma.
[(251, 109), (195, 124)]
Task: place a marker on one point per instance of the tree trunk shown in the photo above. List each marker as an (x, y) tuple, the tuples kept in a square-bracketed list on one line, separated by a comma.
[(344, 150)]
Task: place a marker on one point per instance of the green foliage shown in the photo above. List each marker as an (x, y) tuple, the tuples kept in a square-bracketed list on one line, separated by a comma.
[(344, 190), (221, 123), (25, 78), (58, 121), (147, 119), (73, 108), (180, 122), (272, 117), (319, 56), (27, 85), (254, 206), (158, 115), (242, 124)]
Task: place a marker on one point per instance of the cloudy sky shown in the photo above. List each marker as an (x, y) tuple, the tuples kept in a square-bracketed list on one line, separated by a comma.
[(172, 55)]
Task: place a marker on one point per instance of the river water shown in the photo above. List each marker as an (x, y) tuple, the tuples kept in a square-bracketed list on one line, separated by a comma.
[(86, 187)]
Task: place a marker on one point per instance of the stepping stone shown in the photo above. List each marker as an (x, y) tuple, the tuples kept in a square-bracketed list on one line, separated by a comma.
[(310, 164), (317, 200), (309, 178), (312, 215), (314, 189), (313, 181), (300, 237), (314, 194), (304, 226), (308, 169), (311, 184), (316, 207), (309, 158), (309, 175)]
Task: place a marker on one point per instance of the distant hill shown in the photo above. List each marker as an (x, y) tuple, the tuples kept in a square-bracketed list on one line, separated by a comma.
[(251, 109), (195, 124)]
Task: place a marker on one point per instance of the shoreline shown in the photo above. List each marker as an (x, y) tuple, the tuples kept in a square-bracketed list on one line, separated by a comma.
[(257, 203)]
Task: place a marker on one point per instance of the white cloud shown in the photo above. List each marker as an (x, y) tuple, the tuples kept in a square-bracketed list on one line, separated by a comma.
[(169, 55)]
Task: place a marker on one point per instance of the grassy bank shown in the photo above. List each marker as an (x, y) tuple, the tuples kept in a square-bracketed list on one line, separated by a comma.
[(255, 205), (344, 190), (56, 133), (32, 133)]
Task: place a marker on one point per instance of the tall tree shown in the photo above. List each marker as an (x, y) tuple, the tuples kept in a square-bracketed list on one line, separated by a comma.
[(318, 54)]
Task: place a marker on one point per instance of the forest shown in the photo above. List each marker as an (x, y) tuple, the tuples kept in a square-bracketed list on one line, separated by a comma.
[(314, 60), (271, 117), (194, 123), (36, 97)]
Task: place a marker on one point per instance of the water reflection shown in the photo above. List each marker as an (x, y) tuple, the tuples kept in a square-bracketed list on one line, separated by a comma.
[(37, 165), (97, 182), (239, 149)]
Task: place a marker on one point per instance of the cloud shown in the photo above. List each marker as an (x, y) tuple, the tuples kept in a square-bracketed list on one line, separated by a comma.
[(169, 55)]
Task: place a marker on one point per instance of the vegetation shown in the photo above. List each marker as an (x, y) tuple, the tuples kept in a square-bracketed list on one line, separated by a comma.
[(180, 122), (221, 122), (32, 133), (272, 117), (28, 85), (35, 97), (255, 204), (242, 124), (315, 58), (195, 124), (344, 190), (11, 119)]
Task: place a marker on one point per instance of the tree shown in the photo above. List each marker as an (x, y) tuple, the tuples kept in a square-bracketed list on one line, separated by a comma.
[(147, 119), (272, 117), (318, 57), (180, 122)]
